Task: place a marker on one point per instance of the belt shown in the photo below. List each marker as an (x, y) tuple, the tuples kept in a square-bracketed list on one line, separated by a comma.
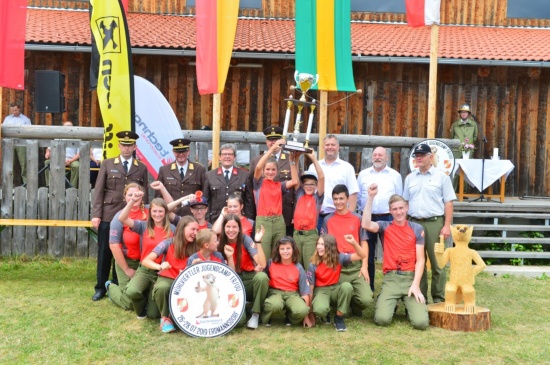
[(428, 219), (399, 272), (383, 215), (306, 233)]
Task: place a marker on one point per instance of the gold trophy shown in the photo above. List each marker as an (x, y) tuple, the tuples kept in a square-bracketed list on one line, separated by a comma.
[(305, 82)]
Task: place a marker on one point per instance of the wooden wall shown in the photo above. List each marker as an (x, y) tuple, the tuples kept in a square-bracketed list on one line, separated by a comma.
[(474, 12), (512, 103)]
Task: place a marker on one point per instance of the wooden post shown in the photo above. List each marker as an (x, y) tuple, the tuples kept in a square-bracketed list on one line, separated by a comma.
[(323, 116), (432, 97), (216, 130)]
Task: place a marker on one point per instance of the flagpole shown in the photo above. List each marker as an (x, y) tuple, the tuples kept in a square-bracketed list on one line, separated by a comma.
[(216, 130), (432, 96)]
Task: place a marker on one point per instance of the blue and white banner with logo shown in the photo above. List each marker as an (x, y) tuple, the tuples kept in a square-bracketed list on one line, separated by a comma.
[(156, 124)]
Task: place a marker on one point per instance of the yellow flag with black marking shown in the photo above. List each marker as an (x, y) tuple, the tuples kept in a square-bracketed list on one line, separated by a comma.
[(113, 69)]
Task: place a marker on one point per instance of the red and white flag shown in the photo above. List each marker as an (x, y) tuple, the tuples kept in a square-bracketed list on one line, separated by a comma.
[(423, 12), (13, 20)]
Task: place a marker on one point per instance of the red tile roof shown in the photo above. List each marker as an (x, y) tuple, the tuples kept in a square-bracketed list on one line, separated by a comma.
[(68, 27)]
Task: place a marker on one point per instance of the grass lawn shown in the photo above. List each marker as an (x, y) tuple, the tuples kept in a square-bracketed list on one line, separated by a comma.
[(47, 317)]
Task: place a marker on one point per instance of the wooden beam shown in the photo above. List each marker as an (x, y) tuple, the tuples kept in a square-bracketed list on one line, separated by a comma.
[(323, 104), (432, 96), (216, 130)]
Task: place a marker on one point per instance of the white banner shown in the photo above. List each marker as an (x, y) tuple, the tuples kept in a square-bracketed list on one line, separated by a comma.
[(156, 125)]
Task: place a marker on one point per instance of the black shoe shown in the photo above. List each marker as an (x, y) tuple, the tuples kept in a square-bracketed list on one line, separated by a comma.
[(326, 320), (339, 324), (99, 294)]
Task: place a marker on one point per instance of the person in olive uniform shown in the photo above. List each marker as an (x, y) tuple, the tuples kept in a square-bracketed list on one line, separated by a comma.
[(466, 130), (113, 176), (272, 135), (182, 177), (223, 181)]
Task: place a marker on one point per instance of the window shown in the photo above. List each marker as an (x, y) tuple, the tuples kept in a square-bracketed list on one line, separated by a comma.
[(531, 9), (247, 4), (379, 6)]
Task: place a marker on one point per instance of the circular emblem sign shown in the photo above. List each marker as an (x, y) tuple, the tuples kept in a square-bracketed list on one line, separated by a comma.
[(207, 300), (442, 153)]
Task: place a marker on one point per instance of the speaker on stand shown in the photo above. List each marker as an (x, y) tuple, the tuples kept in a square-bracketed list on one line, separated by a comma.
[(49, 91)]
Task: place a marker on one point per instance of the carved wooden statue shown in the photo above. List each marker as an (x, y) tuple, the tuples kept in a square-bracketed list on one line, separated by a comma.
[(461, 283)]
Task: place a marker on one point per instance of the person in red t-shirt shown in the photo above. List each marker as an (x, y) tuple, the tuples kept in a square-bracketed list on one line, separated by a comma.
[(176, 251), (235, 206), (323, 275), (207, 242), (288, 287), (249, 263), (307, 206), (199, 209), (403, 263), (124, 245), (268, 194), (156, 229), (339, 224)]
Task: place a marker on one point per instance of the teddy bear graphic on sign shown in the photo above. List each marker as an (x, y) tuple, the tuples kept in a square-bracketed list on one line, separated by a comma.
[(461, 283), (212, 296)]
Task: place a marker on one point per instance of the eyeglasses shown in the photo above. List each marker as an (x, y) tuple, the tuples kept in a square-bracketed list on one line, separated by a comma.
[(417, 155), (199, 208), (227, 154), (310, 185)]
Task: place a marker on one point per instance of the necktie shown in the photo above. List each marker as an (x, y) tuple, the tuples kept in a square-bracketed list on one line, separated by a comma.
[(227, 176), (181, 173), (125, 163)]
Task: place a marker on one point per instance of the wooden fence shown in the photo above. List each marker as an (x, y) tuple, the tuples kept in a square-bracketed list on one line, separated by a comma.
[(36, 201)]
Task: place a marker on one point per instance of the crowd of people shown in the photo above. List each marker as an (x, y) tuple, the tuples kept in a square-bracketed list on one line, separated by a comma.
[(315, 265)]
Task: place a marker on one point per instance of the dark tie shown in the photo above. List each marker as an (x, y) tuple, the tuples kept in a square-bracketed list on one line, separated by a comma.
[(181, 173), (227, 176), (125, 163)]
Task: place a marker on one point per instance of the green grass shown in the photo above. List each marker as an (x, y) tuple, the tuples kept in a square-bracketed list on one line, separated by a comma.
[(47, 317)]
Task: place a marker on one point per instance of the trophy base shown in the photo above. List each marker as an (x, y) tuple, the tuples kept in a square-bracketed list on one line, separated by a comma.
[(296, 146), (301, 102)]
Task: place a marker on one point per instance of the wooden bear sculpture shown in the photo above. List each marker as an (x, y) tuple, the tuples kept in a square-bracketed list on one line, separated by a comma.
[(462, 278)]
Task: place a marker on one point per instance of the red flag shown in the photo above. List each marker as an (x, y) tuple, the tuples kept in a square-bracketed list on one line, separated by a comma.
[(13, 20), (422, 12)]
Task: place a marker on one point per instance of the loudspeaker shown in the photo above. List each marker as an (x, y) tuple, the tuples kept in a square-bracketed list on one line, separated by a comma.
[(48, 91)]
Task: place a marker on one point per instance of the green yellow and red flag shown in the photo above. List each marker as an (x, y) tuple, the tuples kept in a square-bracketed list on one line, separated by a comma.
[(323, 42)]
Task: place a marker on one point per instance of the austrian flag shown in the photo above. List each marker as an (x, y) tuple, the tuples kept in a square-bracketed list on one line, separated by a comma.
[(423, 12)]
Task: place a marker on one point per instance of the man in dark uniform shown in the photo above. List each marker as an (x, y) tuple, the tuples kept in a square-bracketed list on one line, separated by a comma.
[(223, 181), (113, 176), (182, 177), (272, 135)]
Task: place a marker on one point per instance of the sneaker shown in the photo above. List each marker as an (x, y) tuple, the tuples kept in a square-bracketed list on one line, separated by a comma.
[(268, 324), (287, 321), (107, 283), (253, 321), (143, 314), (166, 325), (326, 320), (339, 324)]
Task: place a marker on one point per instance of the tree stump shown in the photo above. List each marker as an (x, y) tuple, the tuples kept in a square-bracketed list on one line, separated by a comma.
[(459, 321)]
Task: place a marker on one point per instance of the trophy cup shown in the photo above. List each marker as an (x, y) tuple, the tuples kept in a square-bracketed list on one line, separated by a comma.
[(305, 82)]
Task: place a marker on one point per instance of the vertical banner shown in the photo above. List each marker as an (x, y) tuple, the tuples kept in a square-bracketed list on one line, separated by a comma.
[(13, 20), (115, 82), (422, 12), (156, 125), (323, 43), (216, 28)]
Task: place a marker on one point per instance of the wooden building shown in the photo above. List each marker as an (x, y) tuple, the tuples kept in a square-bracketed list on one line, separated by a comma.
[(499, 65)]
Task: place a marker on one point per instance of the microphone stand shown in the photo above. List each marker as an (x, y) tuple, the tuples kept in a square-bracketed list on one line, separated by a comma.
[(484, 139)]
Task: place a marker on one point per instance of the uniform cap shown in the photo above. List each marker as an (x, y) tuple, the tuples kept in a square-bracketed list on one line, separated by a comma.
[(422, 149), (273, 132), (127, 137), (180, 144), (465, 108)]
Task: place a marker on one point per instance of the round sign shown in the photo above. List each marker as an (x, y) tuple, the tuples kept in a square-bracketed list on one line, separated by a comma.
[(207, 299), (443, 159)]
